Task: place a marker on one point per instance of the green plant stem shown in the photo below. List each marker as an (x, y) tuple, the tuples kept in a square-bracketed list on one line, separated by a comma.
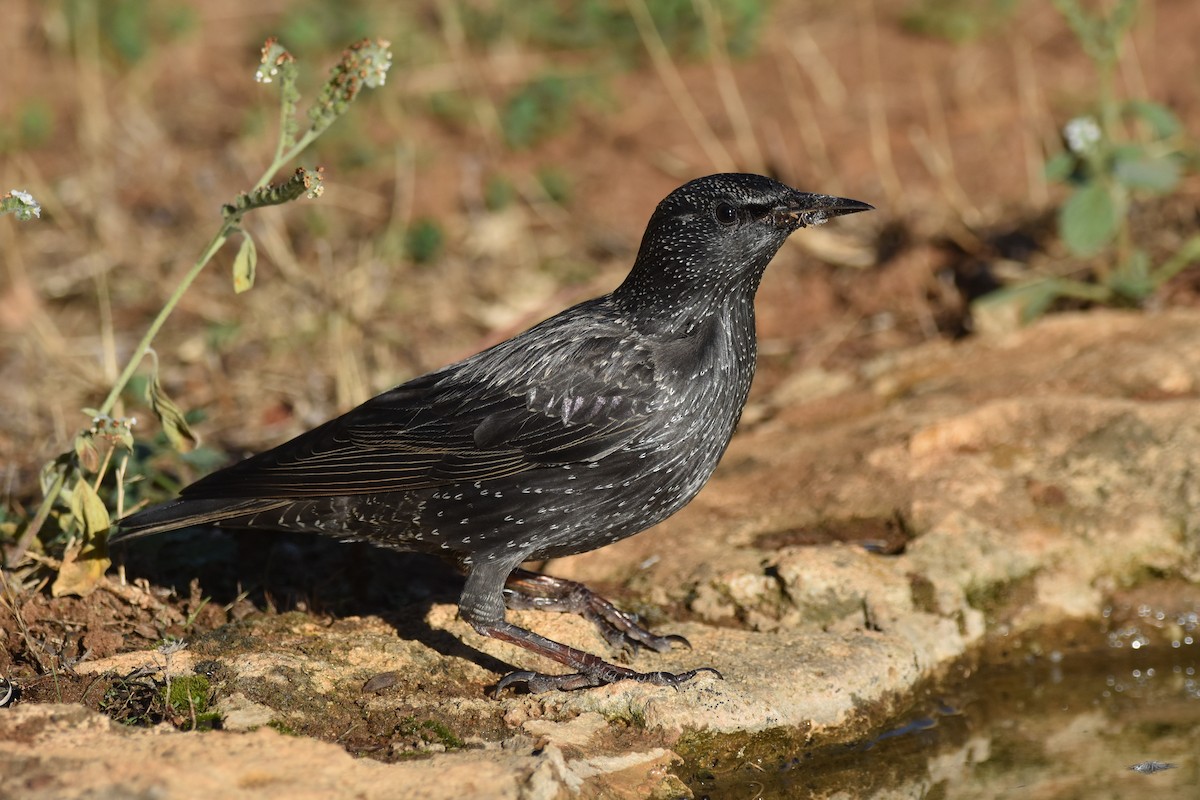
[(1185, 256), (282, 158), (39, 519), (286, 111), (143, 346), (1069, 287), (1124, 234), (1109, 108)]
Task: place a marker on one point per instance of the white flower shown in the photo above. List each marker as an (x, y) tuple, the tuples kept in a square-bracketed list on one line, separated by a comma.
[(1082, 134), (29, 207)]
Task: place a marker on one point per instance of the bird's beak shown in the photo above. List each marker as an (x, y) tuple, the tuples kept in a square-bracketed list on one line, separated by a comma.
[(804, 209)]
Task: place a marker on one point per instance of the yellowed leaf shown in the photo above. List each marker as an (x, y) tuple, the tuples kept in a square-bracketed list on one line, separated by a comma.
[(81, 571), (174, 425), (85, 561), (244, 265)]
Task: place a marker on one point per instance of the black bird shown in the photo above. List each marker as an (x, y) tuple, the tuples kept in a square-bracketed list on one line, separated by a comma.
[(585, 429)]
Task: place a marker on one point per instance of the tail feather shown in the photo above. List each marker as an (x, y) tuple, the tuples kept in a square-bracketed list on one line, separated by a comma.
[(185, 513)]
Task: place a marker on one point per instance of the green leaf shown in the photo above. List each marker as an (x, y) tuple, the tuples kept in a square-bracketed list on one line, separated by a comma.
[(88, 509), (1132, 279), (1145, 172), (244, 264), (1060, 167), (1161, 119), (174, 425), (1088, 220)]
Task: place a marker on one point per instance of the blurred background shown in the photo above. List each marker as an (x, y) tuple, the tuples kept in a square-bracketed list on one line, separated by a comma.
[(507, 170)]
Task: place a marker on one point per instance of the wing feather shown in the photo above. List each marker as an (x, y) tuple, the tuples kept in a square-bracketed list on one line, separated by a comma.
[(477, 420)]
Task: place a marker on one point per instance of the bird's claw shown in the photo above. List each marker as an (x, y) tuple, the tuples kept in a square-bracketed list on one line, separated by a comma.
[(629, 637), (601, 675)]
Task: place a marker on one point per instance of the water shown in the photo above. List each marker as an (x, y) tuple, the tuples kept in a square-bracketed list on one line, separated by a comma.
[(1053, 728)]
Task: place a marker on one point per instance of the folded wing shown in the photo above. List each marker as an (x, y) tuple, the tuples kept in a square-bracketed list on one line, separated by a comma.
[(475, 421)]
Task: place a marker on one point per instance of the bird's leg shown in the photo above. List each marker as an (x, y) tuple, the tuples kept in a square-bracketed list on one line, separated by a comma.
[(482, 605), (531, 590)]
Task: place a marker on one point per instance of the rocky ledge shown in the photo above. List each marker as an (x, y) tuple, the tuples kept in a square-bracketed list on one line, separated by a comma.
[(867, 532)]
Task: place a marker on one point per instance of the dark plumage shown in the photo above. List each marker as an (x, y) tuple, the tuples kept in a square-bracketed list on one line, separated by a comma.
[(587, 428)]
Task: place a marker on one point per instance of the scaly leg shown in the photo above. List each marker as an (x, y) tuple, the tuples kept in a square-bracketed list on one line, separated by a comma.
[(531, 590), (482, 605)]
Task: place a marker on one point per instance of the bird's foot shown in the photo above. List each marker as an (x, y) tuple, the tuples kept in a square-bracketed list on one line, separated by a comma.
[(590, 670), (622, 630), (601, 674)]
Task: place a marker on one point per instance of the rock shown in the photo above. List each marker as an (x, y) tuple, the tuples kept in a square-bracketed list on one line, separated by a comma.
[(1019, 481), (239, 713), (67, 752)]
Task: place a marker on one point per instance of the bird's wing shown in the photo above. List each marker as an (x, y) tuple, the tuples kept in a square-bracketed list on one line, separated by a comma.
[(509, 410)]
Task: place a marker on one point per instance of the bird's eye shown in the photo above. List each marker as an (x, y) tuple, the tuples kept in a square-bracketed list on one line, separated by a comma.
[(726, 214)]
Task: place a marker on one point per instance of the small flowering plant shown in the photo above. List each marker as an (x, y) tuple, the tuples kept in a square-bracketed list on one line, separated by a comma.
[(1106, 168), (1122, 150), (72, 483), (20, 204), (1126, 149)]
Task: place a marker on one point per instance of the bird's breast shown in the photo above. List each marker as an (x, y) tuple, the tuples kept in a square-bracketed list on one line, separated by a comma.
[(702, 400)]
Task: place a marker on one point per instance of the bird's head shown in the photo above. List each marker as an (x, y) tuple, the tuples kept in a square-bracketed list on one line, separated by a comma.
[(716, 235)]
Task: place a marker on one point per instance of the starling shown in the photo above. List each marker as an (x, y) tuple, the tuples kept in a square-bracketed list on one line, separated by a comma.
[(587, 428)]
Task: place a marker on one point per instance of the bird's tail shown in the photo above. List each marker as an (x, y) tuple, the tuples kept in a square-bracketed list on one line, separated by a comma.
[(184, 513)]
